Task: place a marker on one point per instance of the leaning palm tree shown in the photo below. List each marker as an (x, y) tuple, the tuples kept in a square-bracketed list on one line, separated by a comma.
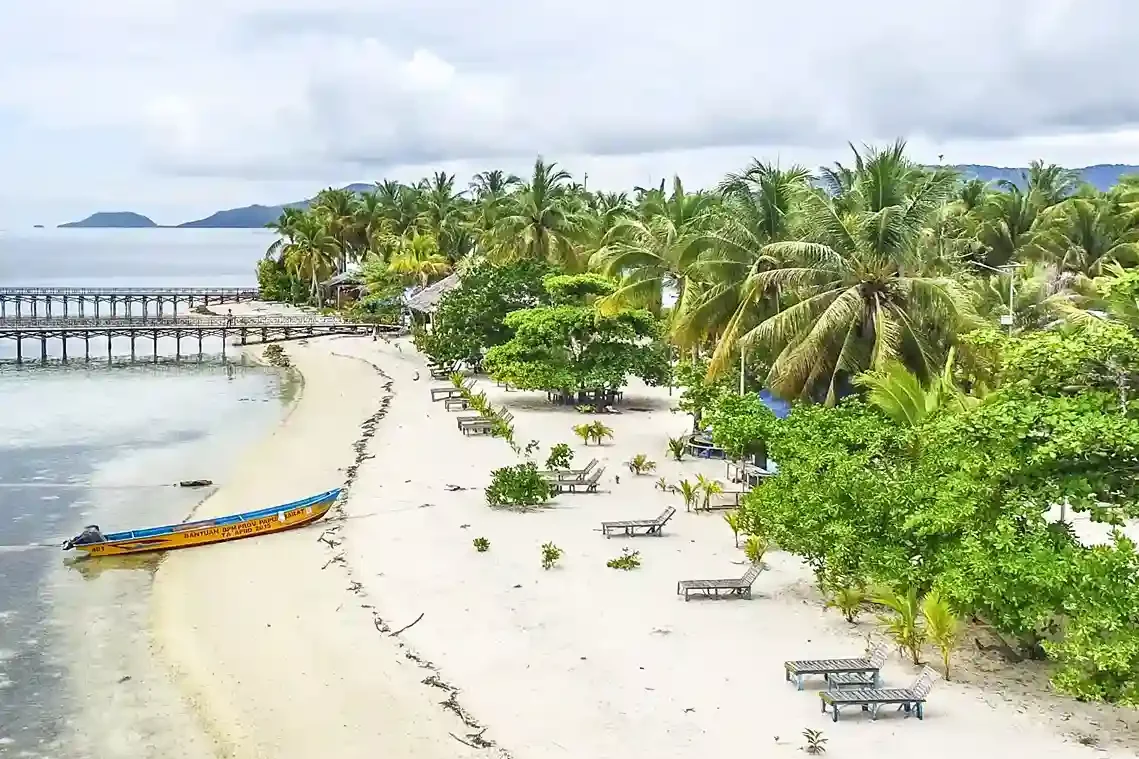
[(855, 294), (283, 226)]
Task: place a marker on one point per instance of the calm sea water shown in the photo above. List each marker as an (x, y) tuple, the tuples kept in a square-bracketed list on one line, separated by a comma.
[(103, 444)]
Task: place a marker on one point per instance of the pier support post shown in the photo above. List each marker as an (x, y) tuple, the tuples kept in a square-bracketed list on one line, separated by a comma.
[(145, 308), (64, 341), (199, 345), (155, 336), (86, 345), (110, 340), (82, 301), (65, 306), (43, 349), (19, 350), (177, 343), (132, 346), (47, 306)]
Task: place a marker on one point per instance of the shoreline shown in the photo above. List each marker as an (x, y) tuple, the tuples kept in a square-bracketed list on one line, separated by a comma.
[(270, 642)]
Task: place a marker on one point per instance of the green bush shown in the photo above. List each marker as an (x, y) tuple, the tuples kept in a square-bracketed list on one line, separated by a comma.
[(551, 554), (482, 545), (518, 486), (561, 456), (627, 560)]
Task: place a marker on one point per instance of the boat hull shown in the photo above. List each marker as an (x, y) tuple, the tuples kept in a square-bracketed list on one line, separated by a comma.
[(209, 531)]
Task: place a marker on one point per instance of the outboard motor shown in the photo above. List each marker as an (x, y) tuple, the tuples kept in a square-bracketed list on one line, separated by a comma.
[(90, 534)]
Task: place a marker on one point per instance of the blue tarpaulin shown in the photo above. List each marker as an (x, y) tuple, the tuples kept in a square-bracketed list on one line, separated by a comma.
[(779, 407)]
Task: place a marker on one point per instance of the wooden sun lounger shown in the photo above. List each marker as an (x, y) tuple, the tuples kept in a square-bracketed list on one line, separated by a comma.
[(450, 391), (456, 404), (865, 670), (561, 475), (911, 699), (635, 527), (579, 486), (481, 425), (738, 587)]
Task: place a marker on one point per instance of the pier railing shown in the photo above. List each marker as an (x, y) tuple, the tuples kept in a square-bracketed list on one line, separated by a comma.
[(189, 322), (90, 292)]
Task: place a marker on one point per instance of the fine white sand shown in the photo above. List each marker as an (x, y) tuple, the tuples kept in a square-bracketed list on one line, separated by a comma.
[(587, 661), (579, 661), (280, 658)]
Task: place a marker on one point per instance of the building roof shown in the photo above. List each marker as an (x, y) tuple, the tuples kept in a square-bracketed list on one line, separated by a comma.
[(426, 299), (344, 278)]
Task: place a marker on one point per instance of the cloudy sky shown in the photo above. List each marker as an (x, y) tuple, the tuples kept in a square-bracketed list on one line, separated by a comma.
[(176, 108)]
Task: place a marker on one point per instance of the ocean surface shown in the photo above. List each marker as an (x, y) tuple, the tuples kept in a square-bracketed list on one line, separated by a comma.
[(105, 443)]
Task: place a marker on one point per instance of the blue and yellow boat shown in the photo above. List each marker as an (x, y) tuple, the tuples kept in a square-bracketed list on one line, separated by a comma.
[(205, 531)]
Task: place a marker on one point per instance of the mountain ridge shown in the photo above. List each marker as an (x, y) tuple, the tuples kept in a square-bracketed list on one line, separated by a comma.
[(1100, 175)]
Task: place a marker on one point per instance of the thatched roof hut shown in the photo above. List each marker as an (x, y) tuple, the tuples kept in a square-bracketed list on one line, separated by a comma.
[(426, 299)]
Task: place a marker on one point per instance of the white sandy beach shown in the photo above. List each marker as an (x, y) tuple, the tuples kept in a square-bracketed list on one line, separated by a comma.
[(283, 660)]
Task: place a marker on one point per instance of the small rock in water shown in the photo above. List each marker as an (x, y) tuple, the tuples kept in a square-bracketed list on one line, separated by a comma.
[(124, 678)]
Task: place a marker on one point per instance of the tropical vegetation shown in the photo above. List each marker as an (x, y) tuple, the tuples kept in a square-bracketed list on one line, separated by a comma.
[(963, 361)]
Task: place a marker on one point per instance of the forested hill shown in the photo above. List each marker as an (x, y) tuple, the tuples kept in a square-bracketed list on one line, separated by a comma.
[(1102, 176)]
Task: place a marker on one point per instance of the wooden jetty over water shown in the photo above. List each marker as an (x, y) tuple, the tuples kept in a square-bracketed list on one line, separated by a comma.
[(37, 301), (244, 330)]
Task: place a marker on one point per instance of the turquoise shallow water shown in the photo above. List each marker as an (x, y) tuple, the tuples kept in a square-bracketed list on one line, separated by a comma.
[(104, 444)]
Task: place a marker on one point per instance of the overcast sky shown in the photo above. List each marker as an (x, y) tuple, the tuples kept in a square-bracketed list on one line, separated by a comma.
[(176, 108)]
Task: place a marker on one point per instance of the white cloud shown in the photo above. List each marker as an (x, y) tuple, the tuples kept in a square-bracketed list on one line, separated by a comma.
[(245, 95)]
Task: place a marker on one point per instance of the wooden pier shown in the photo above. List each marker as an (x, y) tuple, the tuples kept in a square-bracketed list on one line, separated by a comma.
[(35, 302), (244, 330)]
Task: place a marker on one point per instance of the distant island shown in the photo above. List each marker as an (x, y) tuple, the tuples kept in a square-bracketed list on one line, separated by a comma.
[(1101, 176), (112, 220)]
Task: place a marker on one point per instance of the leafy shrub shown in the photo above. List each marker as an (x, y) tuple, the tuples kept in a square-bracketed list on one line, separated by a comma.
[(627, 560), (904, 623), (755, 547), (520, 486), (593, 431), (661, 484), (847, 599), (640, 464), (816, 743), (551, 554), (482, 545), (942, 627), (709, 488), (733, 519), (676, 447), (689, 492), (561, 456)]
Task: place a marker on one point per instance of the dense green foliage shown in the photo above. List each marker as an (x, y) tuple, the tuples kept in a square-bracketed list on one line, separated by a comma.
[(959, 502), (571, 345), (981, 400), (469, 320)]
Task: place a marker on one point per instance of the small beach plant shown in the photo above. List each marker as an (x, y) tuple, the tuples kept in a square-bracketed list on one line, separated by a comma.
[(689, 492), (755, 547), (733, 519), (848, 599), (457, 379), (816, 743), (593, 431), (482, 545), (640, 464), (942, 626), (551, 554), (627, 560), (561, 456), (904, 624), (518, 486), (662, 484), (709, 488), (676, 447)]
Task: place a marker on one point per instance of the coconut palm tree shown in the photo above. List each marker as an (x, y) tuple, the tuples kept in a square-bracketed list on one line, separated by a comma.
[(283, 226), (540, 222), (855, 295), (1086, 235), (417, 258), (653, 251), (759, 207), (311, 253)]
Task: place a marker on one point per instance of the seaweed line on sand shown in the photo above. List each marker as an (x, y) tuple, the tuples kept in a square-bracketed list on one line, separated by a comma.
[(331, 538)]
